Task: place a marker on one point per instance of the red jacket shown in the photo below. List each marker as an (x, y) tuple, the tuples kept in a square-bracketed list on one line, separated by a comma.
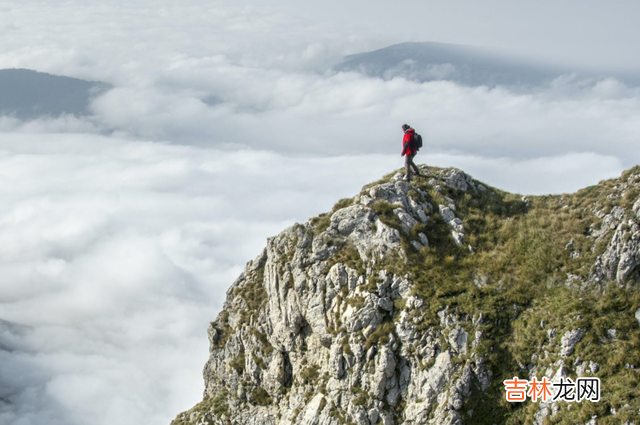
[(406, 143)]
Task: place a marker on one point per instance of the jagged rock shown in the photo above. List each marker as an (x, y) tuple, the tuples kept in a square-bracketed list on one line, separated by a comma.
[(484, 376), (446, 213), (357, 223), (550, 408), (622, 256), (626, 265), (310, 415), (387, 362), (545, 409), (581, 369), (371, 354), (406, 220), (417, 245), (569, 341), (551, 333), (400, 288), (457, 237), (610, 222), (480, 281), (458, 339), (384, 378), (570, 244), (426, 387), (337, 363), (393, 193), (374, 416), (457, 232), (458, 180), (456, 224), (448, 318), (367, 316), (476, 341)]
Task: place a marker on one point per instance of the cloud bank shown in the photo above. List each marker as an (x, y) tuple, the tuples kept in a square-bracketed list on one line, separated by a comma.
[(115, 255), (254, 77)]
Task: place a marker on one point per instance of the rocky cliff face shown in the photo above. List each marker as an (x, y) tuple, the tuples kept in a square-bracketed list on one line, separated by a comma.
[(411, 303)]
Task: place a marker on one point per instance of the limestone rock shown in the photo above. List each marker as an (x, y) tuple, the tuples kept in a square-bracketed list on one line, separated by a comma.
[(458, 340), (569, 341), (457, 228), (334, 322), (622, 256), (446, 213), (458, 180)]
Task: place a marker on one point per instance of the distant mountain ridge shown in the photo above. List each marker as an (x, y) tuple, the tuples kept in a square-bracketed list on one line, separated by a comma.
[(467, 65), (28, 94)]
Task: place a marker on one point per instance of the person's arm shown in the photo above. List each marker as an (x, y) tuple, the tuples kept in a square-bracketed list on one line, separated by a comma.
[(404, 145)]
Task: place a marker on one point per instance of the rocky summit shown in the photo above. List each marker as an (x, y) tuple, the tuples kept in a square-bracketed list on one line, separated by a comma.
[(412, 303)]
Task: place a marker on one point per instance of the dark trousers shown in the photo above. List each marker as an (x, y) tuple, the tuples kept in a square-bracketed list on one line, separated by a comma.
[(408, 164)]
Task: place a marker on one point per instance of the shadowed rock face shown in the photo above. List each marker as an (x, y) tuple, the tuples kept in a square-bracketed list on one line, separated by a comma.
[(29, 95), (412, 302)]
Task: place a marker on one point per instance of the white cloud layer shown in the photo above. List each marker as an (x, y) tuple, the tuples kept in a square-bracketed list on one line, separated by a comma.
[(347, 113), (115, 257)]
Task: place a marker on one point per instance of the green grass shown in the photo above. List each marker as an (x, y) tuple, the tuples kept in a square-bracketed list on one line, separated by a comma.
[(381, 335), (204, 410), (266, 348), (310, 375), (238, 363), (346, 347), (261, 397), (348, 255), (253, 293)]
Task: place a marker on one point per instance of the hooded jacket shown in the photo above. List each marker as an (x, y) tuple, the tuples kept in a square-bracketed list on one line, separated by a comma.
[(406, 143)]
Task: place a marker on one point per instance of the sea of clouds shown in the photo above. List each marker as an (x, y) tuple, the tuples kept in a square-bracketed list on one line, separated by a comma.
[(116, 254), (120, 232)]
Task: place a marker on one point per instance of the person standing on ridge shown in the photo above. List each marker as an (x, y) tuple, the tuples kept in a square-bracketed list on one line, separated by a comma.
[(409, 151)]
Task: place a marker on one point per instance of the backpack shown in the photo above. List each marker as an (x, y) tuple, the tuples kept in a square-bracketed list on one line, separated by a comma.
[(416, 142)]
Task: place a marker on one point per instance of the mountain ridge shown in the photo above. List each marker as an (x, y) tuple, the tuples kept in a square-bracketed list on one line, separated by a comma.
[(411, 303), (463, 64), (29, 94)]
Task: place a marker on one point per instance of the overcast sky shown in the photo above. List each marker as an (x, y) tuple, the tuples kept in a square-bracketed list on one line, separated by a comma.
[(578, 32), (122, 230)]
